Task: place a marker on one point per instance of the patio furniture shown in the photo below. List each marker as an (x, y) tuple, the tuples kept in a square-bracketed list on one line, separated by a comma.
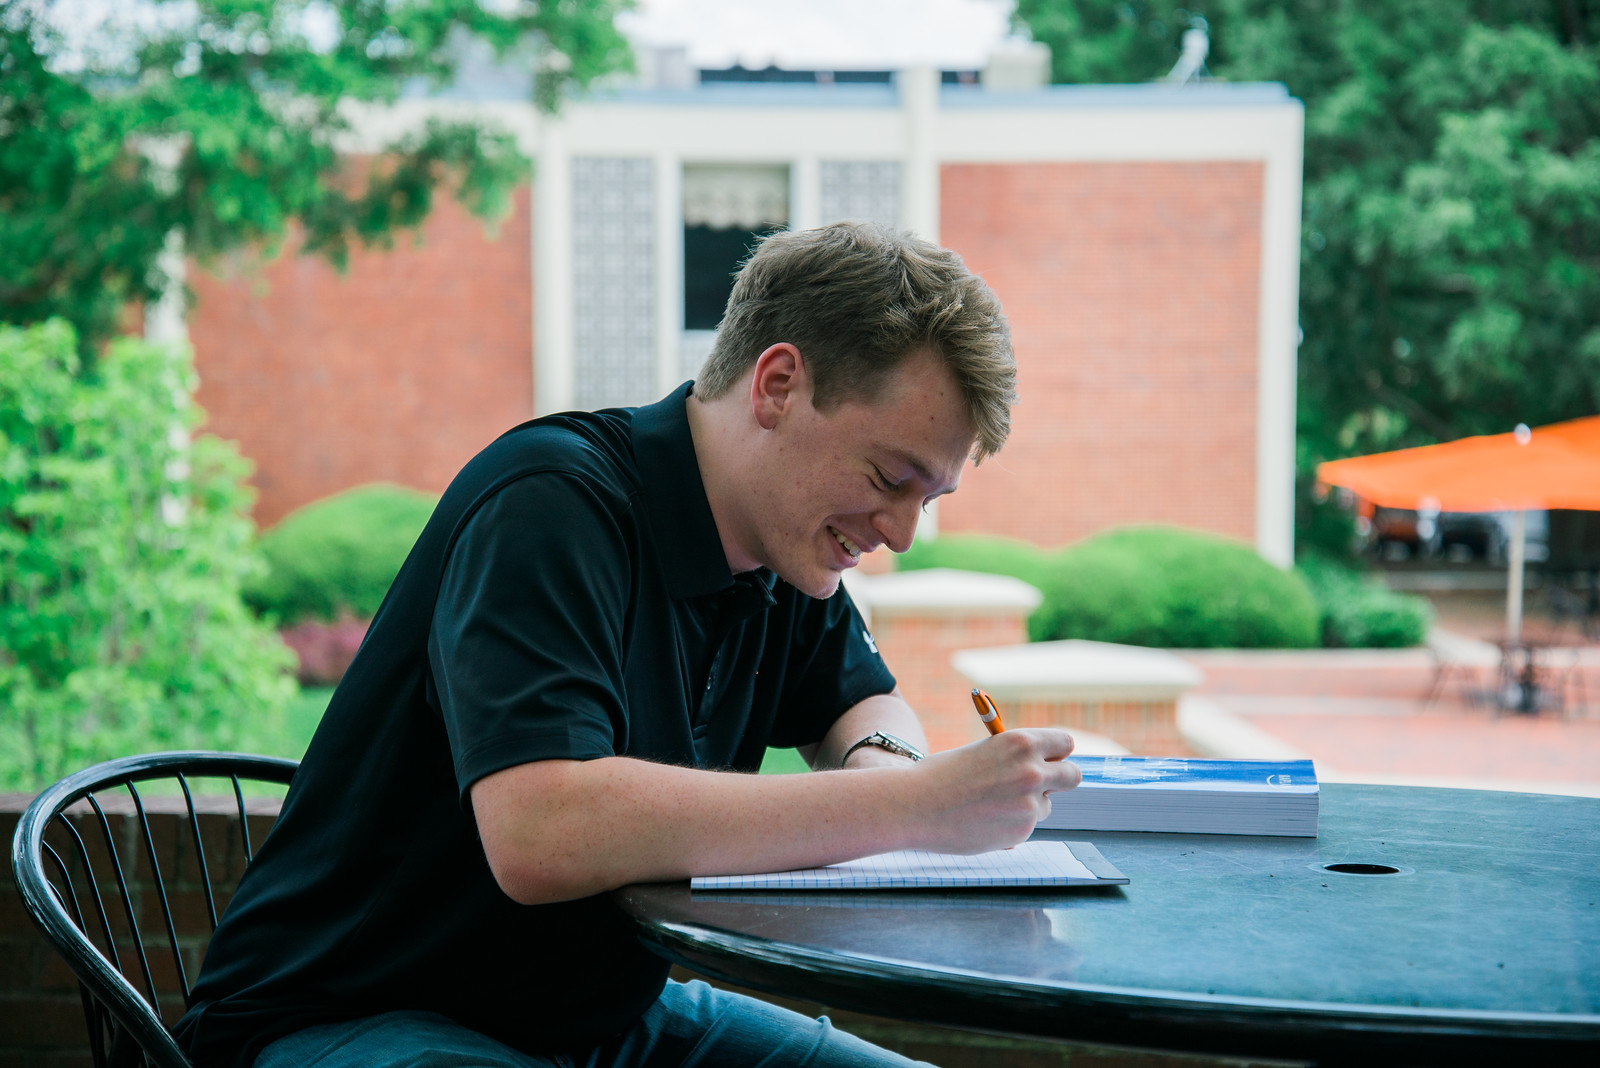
[(1460, 663), (1575, 611), (115, 904)]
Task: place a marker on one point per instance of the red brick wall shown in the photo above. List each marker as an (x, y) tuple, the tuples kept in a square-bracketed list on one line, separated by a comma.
[(1144, 728), (1132, 290), (918, 647), (41, 1013), (398, 371)]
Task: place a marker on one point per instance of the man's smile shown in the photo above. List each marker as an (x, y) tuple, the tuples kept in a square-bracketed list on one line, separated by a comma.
[(849, 546)]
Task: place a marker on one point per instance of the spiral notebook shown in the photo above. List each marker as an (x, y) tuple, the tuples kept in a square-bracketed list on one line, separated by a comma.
[(1029, 864)]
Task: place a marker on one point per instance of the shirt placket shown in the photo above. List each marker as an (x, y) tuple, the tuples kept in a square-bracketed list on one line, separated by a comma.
[(732, 609)]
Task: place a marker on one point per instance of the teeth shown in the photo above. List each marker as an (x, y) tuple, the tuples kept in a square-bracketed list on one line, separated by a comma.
[(849, 546)]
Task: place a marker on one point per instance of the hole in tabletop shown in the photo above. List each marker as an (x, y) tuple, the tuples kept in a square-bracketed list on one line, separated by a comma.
[(1362, 869)]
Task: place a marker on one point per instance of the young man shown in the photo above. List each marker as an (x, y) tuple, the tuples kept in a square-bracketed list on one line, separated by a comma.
[(607, 621)]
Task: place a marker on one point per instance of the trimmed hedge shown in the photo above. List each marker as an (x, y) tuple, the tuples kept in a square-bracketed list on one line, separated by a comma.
[(1173, 588), (1358, 613), (335, 558), (980, 552), (1149, 585)]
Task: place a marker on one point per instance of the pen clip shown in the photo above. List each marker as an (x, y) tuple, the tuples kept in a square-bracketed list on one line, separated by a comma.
[(988, 711)]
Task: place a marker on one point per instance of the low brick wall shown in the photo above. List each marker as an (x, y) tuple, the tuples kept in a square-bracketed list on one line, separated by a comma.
[(41, 1014), (41, 1018), (1125, 693), (918, 650), (1148, 728), (921, 619)]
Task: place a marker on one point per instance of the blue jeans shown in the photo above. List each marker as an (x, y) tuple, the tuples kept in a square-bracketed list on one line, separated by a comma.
[(691, 1025)]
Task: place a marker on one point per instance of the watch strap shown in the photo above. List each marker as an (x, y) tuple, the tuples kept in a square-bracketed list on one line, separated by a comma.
[(888, 742)]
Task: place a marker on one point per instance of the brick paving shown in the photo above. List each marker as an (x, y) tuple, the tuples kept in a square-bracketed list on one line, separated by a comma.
[(1398, 740), (1363, 715)]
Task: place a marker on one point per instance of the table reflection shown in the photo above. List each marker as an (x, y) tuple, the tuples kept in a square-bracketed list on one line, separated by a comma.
[(1021, 934)]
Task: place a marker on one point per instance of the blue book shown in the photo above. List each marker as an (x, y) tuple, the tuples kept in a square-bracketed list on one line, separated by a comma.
[(1189, 795)]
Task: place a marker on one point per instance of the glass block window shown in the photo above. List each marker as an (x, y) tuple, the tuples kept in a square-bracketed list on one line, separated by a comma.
[(861, 192), (696, 349), (614, 283)]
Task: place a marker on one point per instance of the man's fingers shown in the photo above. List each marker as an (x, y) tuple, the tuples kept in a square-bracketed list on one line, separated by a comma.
[(1066, 774), (1052, 746), (1051, 743)]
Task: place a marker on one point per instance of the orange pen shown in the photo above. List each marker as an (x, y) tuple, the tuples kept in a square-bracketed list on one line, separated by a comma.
[(987, 711)]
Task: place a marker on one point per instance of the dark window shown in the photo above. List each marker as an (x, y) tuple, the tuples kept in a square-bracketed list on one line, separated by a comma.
[(805, 77), (711, 257)]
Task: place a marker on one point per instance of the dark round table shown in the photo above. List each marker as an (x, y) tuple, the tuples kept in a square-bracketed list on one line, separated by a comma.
[(1466, 924)]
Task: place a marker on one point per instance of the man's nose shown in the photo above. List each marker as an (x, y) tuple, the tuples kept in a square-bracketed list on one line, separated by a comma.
[(897, 524)]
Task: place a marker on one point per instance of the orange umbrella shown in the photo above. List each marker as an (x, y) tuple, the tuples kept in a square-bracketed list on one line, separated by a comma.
[(1555, 466)]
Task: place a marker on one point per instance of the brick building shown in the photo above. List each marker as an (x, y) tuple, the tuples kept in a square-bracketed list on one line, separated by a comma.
[(1143, 240)]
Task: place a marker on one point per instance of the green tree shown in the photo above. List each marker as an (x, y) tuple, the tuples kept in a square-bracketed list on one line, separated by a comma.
[(214, 122), (122, 550), (1106, 41), (1450, 279)]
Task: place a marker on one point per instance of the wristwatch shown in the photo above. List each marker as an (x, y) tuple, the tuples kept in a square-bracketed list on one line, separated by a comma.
[(897, 746)]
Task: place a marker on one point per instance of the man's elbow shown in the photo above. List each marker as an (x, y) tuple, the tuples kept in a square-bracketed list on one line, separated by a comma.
[(536, 859), (542, 880)]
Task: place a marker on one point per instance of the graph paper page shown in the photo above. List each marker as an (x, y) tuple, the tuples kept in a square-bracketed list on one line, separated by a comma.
[(1029, 864)]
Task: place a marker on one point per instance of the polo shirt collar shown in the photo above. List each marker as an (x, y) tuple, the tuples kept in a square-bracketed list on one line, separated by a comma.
[(675, 498)]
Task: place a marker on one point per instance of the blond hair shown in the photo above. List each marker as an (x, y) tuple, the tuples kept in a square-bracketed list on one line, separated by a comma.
[(857, 299)]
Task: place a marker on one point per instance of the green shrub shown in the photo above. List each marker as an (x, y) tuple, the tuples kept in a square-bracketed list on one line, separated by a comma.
[(979, 552), (1173, 588), (337, 556), (122, 548), (1156, 586), (1359, 613)]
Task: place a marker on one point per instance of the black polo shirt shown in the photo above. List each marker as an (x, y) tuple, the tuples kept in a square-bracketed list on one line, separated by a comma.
[(568, 599)]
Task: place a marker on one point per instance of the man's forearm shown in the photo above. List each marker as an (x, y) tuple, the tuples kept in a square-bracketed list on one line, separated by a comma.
[(560, 829)]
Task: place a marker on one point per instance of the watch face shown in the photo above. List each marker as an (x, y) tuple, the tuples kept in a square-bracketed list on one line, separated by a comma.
[(888, 743), (899, 745)]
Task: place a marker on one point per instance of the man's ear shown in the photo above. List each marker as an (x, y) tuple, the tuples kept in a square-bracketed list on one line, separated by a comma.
[(778, 383)]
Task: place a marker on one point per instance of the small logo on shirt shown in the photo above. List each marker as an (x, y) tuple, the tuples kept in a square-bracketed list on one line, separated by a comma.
[(866, 636)]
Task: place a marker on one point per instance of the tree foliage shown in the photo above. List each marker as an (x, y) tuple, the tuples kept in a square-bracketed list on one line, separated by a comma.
[(217, 121), (122, 550), (1450, 272)]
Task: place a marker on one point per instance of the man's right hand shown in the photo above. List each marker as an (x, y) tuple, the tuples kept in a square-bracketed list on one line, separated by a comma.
[(990, 794)]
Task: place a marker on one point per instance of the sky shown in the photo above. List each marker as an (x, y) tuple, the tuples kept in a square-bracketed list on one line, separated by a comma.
[(799, 34), (824, 34)]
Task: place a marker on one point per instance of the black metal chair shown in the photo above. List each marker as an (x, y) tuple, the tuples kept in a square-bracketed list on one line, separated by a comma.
[(70, 864)]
